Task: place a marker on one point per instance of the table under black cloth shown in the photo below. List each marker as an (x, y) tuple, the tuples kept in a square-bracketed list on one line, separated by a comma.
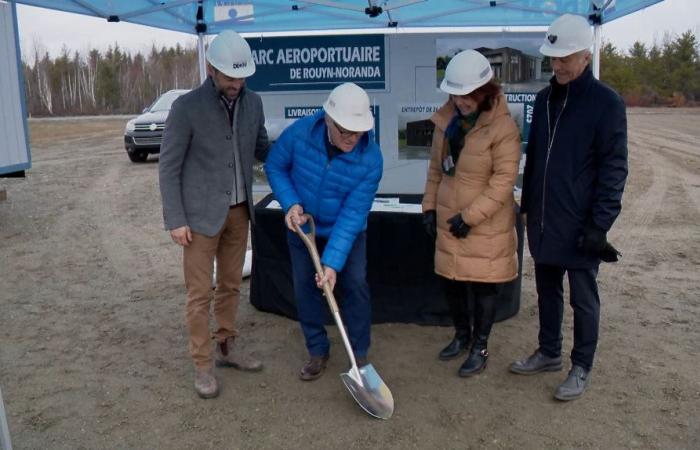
[(400, 270)]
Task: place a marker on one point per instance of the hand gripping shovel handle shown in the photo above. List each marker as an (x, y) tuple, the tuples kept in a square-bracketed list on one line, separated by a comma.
[(310, 242)]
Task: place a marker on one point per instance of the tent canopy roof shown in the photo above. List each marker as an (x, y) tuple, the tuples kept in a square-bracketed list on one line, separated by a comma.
[(261, 16)]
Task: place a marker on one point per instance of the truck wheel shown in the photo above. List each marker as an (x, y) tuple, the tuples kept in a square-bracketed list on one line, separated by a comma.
[(138, 155)]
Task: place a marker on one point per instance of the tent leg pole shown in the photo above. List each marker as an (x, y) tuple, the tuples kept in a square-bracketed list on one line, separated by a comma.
[(5, 443), (200, 57), (596, 50)]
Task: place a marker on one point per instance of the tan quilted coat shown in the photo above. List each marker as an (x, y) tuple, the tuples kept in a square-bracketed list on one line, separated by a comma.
[(482, 191)]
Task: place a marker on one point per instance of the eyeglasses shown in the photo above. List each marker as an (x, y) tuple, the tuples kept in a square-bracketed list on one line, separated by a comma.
[(346, 133)]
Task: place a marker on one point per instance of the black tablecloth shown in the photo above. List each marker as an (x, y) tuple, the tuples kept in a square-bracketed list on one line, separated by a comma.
[(400, 269)]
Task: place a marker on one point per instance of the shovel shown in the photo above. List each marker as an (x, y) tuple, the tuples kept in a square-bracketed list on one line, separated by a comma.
[(364, 383)]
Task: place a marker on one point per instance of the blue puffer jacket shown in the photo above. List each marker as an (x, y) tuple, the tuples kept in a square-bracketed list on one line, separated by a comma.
[(338, 194), (580, 179)]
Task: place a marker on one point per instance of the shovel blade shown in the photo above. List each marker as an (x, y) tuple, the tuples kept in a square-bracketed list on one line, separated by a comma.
[(369, 391)]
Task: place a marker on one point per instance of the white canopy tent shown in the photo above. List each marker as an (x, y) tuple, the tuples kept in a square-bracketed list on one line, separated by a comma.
[(262, 17), (293, 17)]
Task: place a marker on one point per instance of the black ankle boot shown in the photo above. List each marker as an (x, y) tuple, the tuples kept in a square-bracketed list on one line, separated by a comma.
[(475, 364), (459, 344)]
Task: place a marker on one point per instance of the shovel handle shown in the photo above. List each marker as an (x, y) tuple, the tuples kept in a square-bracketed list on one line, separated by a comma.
[(309, 240)]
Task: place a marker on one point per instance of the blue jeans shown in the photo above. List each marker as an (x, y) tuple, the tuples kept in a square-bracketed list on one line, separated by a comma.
[(355, 305)]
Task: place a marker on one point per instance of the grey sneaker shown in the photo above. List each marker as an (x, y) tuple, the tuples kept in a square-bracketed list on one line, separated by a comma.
[(205, 383), (227, 355), (536, 363), (575, 384)]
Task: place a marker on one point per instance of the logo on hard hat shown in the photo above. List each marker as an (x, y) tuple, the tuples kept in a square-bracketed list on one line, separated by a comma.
[(239, 65), (552, 38)]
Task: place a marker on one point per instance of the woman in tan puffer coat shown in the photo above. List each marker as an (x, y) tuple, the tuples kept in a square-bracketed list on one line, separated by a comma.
[(468, 201)]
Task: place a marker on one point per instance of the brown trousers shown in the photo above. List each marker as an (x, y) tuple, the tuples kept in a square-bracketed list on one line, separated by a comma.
[(229, 247)]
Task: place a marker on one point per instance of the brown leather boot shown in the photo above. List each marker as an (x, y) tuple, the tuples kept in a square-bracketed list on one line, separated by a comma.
[(227, 355), (313, 368)]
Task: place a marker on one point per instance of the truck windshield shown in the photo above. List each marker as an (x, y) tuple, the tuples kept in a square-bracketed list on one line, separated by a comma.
[(165, 101)]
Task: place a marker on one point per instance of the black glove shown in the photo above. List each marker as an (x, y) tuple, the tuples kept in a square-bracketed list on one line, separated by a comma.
[(593, 240), (430, 223), (609, 253), (458, 228)]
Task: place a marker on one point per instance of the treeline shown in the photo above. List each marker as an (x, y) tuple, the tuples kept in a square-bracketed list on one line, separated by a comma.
[(116, 81), (110, 82), (666, 74)]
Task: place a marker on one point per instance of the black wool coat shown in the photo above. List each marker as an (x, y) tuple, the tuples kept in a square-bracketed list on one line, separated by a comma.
[(575, 172)]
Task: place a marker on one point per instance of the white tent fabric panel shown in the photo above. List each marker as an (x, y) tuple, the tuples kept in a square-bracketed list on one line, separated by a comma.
[(14, 152)]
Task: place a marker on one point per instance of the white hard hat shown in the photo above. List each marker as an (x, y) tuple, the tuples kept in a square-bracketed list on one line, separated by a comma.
[(230, 54), (348, 106), (567, 35), (467, 71)]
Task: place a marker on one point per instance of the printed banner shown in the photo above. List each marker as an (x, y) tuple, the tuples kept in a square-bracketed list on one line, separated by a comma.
[(415, 130), (521, 106), (317, 63)]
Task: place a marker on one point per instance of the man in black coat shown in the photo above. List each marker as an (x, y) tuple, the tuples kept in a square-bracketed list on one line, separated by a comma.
[(572, 189)]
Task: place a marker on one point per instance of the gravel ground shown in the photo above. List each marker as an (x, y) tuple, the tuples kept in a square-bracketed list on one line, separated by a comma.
[(93, 347)]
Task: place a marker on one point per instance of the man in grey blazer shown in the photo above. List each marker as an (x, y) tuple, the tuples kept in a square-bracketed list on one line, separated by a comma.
[(211, 136)]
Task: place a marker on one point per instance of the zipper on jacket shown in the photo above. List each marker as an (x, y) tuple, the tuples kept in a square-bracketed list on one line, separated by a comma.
[(325, 170), (323, 180), (551, 133)]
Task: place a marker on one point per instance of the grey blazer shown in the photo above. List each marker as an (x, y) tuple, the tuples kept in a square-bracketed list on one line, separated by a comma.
[(196, 165)]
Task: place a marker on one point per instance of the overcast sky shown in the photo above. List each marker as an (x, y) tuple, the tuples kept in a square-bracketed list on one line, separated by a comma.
[(52, 30)]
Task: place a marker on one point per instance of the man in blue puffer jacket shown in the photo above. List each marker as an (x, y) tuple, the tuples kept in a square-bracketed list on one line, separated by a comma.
[(572, 190), (328, 166)]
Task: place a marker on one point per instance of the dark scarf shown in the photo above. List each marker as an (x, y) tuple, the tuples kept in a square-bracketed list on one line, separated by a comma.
[(459, 127)]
